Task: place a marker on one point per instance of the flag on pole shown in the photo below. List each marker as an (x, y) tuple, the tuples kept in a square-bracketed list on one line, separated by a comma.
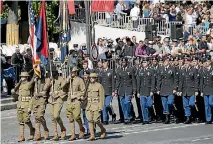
[(71, 6), (65, 36), (33, 40), (41, 35), (102, 6)]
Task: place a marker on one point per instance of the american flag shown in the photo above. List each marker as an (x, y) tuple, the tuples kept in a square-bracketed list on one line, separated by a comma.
[(33, 40)]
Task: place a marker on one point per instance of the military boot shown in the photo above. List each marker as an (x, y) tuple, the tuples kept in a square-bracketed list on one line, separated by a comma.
[(188, 120), (72, 126), (103, 130), (91, 129), (21, 128), (38, 132), (32, 130), (63, 129), (46, 131), (167, 121), (55, 133), (82, 129)]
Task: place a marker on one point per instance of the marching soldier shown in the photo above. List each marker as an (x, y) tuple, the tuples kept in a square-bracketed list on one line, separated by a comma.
[(167, 87), (188, 88), (75, 96), (145, 88), (56, 101), (95, 105), (108, 82), (24, 106), (137, 68), (126, 87), (207, 89), (39, 102)]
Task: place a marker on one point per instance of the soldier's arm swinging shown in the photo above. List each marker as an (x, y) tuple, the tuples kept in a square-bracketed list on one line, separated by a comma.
[(102, 98)]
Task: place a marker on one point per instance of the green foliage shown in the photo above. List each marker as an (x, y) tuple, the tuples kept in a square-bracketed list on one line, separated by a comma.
[(5, 10), (52, 8)]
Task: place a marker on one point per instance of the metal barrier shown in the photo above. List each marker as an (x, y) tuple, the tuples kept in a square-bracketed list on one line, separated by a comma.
[(122, 21)]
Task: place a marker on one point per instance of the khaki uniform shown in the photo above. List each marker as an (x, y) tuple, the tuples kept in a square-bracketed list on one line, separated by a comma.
[(73, 108), (39, 105), (95, 105), (75, 94), (24, 104), (56, 103)]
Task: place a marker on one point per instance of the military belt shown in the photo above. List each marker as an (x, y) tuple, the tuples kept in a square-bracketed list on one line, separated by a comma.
[(25, 99), (94, 100)]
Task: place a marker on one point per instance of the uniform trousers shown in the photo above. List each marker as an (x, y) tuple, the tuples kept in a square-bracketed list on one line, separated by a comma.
[(188, 103), (167, 102), (208, 102), (108, 99), (146, 103), (126, 106)]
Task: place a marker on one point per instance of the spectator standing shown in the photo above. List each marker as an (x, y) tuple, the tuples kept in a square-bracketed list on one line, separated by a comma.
[(119, 12), (142, 50), (8, 74), (101, 49), (17, 62), (135, 12), (146, 11), (28, 62)]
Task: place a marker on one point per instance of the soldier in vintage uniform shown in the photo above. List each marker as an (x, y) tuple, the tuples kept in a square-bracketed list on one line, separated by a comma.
[(188, 88), (108, 82), (126, 87), (24, 106), (56, 100), (76, 92), (206, 89), (95, 105), (167, 87), (39, 102), (145, 89)]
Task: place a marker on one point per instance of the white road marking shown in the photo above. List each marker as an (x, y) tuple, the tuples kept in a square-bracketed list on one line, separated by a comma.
[(202, 138), (8, 117)]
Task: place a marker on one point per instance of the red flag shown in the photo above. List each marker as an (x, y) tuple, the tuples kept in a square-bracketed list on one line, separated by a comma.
[(103, 6), (1, 6), (71, 6)]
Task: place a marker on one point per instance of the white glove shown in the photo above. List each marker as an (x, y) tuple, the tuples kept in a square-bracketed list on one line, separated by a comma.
[(138, 95), (196, 93), (151, 93), (180, 93), (201, 94), (158, 92)]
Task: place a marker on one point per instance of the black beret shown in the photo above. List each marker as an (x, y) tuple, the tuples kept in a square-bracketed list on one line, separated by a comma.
[(75, 45)]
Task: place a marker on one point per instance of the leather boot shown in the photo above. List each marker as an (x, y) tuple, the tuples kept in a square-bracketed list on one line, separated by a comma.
[(82, 129), (55, 133), (91, 129), (63, 129), (38, 132), (72, 126), (167, 121), (103, 130), (46, 131), (188, 120), (21, 129), (32, 130)]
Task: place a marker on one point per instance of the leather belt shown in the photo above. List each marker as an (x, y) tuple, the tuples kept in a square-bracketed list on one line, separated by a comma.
[(25, 99)]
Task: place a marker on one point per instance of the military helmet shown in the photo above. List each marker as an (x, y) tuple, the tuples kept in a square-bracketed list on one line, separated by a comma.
[(93, 75), (24, 74), (74, 69)]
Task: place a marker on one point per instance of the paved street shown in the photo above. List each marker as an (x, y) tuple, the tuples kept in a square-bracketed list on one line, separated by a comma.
[(118, 133)]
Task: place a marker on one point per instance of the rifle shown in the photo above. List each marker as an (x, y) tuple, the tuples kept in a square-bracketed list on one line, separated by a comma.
[(86, 90)]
